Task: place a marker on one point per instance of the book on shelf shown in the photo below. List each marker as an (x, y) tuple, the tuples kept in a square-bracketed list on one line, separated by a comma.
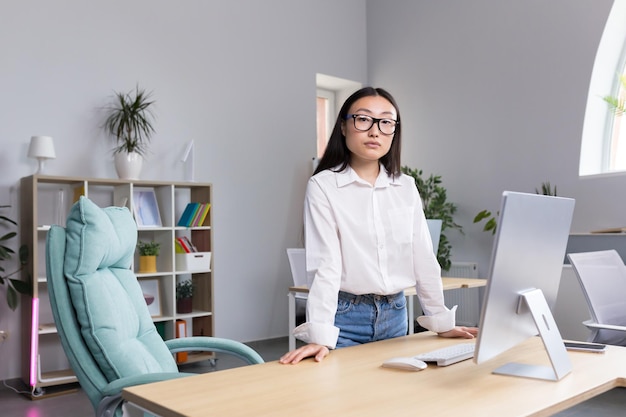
[(181, 331), (185, 244), (203, 211), (187, 216), (610, 230), (181, 243), (194, 214), (78, 191)]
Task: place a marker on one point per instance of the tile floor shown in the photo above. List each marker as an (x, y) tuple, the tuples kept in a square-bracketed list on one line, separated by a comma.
[(609, 404)]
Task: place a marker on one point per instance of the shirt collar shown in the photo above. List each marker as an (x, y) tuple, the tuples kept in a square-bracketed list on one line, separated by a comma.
[(348, 176)]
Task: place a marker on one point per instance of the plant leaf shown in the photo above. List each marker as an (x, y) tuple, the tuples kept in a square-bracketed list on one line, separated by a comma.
[(21, 286), (12, 299)]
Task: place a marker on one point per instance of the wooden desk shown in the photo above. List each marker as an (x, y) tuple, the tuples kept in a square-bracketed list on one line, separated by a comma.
[(410, 293), (351, 382)]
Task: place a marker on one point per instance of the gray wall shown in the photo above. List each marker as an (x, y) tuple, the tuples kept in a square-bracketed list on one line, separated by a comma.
[(237, 77), (492, 96)]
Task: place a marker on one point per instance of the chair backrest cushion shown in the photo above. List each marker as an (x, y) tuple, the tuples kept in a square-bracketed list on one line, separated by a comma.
[(602, 275), (108, 300), (297, 263)]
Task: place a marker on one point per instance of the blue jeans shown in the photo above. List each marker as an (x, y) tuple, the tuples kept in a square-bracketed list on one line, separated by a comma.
[(367, 318)]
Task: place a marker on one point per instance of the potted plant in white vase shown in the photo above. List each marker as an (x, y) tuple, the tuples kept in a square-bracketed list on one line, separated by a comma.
[(435, 204), (129, 121)]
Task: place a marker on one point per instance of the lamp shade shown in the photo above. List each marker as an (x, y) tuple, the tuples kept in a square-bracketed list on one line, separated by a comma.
[(41, 147)]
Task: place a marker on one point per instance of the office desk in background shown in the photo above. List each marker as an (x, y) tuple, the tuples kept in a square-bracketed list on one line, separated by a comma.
[(410, 293), (351, 382)]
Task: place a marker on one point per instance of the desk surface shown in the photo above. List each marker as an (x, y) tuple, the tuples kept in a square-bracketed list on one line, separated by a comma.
[(350, 381), (448, 284)]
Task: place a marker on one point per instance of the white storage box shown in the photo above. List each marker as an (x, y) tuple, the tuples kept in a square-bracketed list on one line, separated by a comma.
[(194, 261)]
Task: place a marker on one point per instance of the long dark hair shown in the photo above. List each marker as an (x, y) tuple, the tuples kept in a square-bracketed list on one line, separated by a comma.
[(337, 152)]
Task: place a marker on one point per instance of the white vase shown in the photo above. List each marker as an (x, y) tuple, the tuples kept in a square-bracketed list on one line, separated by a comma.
[(128, 165)]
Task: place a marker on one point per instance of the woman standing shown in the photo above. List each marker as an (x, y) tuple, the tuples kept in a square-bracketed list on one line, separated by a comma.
[(366, 237)]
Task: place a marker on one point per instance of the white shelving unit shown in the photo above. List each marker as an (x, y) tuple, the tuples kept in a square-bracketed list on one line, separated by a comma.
[(46, 200)]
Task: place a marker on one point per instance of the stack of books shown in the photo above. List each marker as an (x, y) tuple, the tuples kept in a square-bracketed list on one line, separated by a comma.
[(184, 245), (194, 214)]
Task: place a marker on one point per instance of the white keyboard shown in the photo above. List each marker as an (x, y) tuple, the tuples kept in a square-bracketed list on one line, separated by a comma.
[(448, 355)]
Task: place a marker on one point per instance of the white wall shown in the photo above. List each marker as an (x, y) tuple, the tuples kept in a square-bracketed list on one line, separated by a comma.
[(237, 77), (492, 95)]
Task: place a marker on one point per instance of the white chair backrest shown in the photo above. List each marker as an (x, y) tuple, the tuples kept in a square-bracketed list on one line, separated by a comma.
[(602, 277), (297, 262), (434, 227)]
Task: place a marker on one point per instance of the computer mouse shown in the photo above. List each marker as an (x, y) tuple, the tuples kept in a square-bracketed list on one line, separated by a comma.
[(405, 363)]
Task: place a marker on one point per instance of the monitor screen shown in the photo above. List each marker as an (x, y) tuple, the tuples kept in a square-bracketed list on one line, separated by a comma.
[(523, 281)]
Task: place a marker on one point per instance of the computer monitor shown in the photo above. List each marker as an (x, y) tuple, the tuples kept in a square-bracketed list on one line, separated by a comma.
[(523, 282)]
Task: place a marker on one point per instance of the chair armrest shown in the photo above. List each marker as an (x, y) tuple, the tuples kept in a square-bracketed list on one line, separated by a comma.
[(215, 344), (115, 387), (594, 325)]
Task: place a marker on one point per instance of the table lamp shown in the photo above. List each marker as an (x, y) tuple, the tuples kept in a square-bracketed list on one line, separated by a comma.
[(41, 148)]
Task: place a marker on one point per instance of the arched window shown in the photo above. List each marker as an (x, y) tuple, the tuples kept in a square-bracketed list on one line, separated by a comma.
[(603, 146), (616, 128)]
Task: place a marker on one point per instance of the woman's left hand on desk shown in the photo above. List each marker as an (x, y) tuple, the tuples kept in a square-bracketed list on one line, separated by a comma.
[(306, 351), (464, 332)]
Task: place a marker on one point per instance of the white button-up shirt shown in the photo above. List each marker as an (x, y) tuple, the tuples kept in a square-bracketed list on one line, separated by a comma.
[(366, 239)]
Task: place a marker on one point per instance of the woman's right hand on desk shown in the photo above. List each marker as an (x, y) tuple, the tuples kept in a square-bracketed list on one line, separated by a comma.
[(306, 351)]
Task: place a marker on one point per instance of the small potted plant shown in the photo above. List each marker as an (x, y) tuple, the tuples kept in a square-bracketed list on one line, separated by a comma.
[(129, 121), (148, 252), (184, 295)]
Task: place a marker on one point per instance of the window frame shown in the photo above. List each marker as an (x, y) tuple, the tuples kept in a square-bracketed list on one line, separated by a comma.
[(596, 141)]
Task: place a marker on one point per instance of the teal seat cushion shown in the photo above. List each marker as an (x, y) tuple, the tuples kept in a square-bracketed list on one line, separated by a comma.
[(108, 300)]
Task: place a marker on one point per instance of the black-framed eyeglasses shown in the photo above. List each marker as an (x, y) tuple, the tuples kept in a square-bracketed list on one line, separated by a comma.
[(364, 123)]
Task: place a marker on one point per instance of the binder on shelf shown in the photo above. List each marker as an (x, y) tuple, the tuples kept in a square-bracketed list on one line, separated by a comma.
[(188, 214), (78, 191), (160, 327), (194, 214), (181, 331), (189, 244), (179, 247), (183, 244), (202, 213)]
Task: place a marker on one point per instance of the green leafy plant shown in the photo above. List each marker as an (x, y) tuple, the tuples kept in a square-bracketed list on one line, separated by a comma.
[(491, 223), (546, 189), (184, 289), (617, 103), (148, 248), (129, 120), (434, 199), (14, 286)]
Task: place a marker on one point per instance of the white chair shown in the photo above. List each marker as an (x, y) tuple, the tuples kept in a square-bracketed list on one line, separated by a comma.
[(434, 227), (602, 277), (297, 262)]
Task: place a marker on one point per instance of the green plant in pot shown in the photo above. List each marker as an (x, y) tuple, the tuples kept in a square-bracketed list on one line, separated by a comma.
[(129, 120), (148, 252), (434, 199), (491, 222), (13, 286), (184, 296)]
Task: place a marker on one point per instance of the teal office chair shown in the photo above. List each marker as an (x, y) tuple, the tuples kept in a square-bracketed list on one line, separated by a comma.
[(100, 312)]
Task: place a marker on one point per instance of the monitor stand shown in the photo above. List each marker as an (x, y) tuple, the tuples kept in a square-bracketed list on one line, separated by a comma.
[(552, 341)]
